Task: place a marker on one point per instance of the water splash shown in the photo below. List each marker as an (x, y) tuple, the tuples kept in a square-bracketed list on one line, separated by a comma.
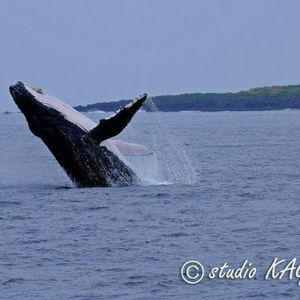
[(170, 162)]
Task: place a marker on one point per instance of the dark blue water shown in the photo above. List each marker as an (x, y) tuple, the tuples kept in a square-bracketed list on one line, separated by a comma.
[(59, 242)]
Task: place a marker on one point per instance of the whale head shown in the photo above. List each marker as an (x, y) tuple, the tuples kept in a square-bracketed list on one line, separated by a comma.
[(47, 116)]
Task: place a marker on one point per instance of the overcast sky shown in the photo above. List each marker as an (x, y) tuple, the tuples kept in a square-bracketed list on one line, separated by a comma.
[(102, 50)]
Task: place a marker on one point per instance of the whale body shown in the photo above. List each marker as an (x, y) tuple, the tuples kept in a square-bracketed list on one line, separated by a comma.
[(82, 148)]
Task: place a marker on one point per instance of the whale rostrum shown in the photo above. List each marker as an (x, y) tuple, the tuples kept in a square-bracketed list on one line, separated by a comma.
[(82, 148)]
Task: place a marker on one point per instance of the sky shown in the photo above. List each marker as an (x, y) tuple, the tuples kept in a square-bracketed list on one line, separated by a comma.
[(86, 51)]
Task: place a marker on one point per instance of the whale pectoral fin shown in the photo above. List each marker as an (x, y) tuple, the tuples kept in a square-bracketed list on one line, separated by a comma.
[(130, 149), (114, 125)]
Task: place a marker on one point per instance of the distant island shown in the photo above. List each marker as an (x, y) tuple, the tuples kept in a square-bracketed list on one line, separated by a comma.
[(264, 98)]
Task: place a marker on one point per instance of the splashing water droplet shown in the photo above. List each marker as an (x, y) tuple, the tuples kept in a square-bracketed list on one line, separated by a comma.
[(169, 162)]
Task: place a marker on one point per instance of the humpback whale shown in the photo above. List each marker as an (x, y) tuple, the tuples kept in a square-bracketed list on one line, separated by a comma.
[(81, 147)]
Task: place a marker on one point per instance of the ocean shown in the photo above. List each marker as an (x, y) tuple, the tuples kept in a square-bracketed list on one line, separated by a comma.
[(220, 187)]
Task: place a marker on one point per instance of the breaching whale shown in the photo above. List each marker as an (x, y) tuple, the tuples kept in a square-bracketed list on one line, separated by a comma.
[(82, 148)]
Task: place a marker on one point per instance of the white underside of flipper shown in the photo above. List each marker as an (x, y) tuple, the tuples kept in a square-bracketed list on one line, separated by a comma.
[(130, 149)]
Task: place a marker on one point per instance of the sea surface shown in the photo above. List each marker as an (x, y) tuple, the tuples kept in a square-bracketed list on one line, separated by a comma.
[(220, 187)]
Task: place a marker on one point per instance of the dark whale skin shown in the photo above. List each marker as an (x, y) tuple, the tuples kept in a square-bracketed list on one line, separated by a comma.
[(78, 152)]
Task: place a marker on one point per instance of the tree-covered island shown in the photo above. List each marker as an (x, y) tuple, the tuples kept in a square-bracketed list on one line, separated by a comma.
[(265, 98)]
